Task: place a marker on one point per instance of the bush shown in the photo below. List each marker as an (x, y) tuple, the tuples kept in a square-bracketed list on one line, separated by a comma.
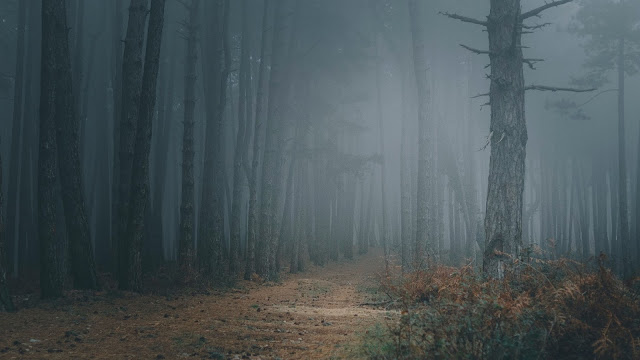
[(541, 309)]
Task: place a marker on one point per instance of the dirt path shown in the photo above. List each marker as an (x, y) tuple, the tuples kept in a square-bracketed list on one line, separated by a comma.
[(315, 315)]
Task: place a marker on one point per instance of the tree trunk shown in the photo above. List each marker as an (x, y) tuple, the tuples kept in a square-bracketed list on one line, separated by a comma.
[(503, 220), (140, 176), (272, 163), (5, 299), (54, 34), (622, 165), (425, 128), (252, 222), (241, 145), (131, 95), (116, 93), (186, 255), (16, 135)]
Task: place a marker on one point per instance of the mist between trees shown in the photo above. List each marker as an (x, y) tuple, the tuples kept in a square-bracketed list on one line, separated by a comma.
[(241, 139)]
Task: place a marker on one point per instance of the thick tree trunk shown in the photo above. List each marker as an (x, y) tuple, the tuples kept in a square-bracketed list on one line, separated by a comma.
[(83, 266), (425, 129), (211, 226), (252, 222), (54, 33), (140, 175), (272, 163), (503, 220), (131, 94), (16, 136), (240, 146), (186, 254)]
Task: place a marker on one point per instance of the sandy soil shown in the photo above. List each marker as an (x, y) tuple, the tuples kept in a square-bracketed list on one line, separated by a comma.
[(314, 315)]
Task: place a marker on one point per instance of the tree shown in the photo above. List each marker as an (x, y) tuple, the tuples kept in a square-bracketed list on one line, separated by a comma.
[(5, 299), (426, 128), (186, 255), (54, 34), (508, 130), (252, 222), (140, 174), (613, 43), (131, 93)]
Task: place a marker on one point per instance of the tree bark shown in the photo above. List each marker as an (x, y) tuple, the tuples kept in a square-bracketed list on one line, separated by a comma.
[(140, 174), (54, 33), (131, 96), (186, 255), (252, 222), (503, 220), (425, 128), (5, 299)]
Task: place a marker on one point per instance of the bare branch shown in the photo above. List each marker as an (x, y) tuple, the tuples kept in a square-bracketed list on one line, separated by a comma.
[(537, 11), (465, 19), (532, 62), (554, 89), (480, 95), (535, 27), (476, 51)]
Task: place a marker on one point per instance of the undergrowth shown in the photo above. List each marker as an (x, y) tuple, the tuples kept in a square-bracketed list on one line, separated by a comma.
[(541, 309)]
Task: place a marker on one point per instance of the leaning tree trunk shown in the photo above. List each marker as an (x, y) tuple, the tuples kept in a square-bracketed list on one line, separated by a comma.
[(54, 28), (131, 95), (83, 266), (252, 222), (186, 255), (140, 180), (5, 299), (425, 125), (503, 220)]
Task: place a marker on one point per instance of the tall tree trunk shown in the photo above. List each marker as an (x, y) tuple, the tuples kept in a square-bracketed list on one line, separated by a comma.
[(211, 226), (252, 222), (140, 175), (272, 163), (425, 129), (622, 164), (131, 95), (186, 255), (503, 220), (83, 266), (5, 299), (241, 145), (16, 135), (383, 229), (116, 93), (54, 34)]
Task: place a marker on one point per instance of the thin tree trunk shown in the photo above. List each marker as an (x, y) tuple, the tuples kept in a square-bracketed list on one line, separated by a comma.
[(116, 93), (622, 164), (5, 299)]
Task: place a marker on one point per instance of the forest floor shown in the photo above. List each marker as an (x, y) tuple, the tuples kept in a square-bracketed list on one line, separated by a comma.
[(319, 314)]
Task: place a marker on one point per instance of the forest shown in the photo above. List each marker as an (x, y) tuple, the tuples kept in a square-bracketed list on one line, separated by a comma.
[(320, 179)]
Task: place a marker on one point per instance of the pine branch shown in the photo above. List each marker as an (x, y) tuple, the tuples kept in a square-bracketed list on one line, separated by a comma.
[(554, 89), (476, 51), (537, 11), (465, 19), (535, 27), (532, 62)]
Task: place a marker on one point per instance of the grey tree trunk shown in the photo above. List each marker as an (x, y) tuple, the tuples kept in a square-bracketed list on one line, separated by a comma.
[(116, 93), (140, 175), (186, 254), (623, 213), (5, 299), (272, 163), (252, 222), (131, 94), (16, 136), (503, 219), (54, 32), (425, 129), (241, 145)]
